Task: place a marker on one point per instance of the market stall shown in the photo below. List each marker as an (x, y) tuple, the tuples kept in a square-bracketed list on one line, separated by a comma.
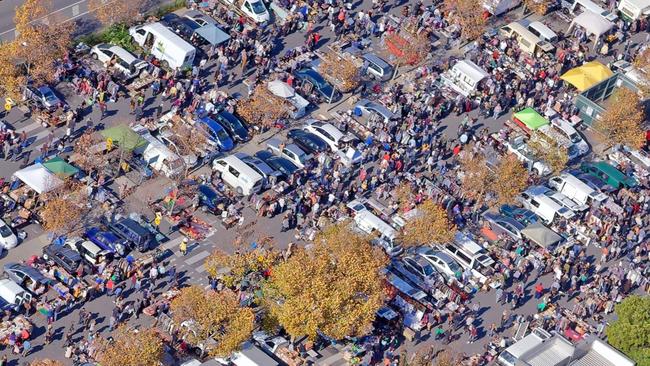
[(542, 236)]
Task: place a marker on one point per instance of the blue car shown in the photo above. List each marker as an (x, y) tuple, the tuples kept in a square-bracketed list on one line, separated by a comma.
[(235, 127), (216, 133), (107, 240), (209, 198)]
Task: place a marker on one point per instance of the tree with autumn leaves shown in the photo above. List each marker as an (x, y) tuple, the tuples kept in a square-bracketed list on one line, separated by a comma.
[(233, 268), (431, 225), (492, 186), (130, 348), (110, 12), (213, 316), (407, 44), (340, 71), (468, 15), (539, 7), (65, 208), (46, 362), (41, 41), (262, 108), (333, 287), (550, 152), (622, 121)]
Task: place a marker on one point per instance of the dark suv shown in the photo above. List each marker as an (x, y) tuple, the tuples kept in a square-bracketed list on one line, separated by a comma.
[(131, 230), (68, 259)]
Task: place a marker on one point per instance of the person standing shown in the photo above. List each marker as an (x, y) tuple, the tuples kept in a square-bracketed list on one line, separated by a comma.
[(183, 247)]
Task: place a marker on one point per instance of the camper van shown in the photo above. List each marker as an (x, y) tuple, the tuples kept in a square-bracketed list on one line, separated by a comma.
[(576, 7), (158, 156), (528, 42), (575, 189), (236, 173), (543, 206), (164, 44), (542, 32), (632, 10)]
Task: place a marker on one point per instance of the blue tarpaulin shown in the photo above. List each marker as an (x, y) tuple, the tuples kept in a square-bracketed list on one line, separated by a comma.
[(213, 34)]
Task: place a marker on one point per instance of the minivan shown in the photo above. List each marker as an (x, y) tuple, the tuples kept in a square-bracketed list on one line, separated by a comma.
[(609, 174), (377, 67), (131, 230), (575, 189), (12, 296), (244, 179), (369, 223), (28, 277), (124, 61), (542, 32), (528, 42), (543, 206), (468, 252)]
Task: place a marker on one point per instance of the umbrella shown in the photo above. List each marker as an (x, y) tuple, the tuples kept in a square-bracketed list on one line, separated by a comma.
[(125, 137), (587, 75), (281, 89)]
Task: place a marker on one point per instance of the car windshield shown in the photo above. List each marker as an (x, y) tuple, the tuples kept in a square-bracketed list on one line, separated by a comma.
[(49, 96), (428, 270), (575, 138), (258, 7), (5, 231), (234, 121), (222, 135), (453, 266)]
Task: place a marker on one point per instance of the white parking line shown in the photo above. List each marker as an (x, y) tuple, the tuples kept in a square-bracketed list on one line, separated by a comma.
[(200, 256)]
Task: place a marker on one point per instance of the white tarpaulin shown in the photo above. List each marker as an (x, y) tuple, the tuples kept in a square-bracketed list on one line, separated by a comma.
[(592, 23), (38, 178)]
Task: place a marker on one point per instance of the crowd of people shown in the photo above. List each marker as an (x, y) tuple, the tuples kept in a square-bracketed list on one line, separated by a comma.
[(569, 288)]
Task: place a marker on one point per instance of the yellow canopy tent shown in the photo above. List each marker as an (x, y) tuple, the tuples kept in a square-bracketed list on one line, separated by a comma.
[(585, 76)]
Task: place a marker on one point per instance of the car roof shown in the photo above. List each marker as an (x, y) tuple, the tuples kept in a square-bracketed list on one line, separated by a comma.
[(295, 149), (125, 55), (211, 123), (332, 130), (371, 57), (498, 217)]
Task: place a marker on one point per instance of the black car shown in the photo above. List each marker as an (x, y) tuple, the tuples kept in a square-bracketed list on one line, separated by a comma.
[(278, 163), (312, 80), (308, 142), (235, 127), (130, 230), (66, 258), (184, 27)]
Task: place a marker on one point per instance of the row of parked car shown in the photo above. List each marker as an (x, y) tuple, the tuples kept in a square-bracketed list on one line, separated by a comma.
[(247, 174)]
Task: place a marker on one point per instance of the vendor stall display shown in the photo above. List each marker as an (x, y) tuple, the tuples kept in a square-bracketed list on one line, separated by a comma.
[(16, 325)]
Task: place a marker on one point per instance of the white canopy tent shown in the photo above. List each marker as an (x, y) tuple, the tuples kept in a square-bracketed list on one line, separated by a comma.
[(464, 76), (38, 178), (594, 24)]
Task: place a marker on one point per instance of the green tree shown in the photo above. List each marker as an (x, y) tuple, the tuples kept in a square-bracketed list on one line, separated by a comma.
[(334, 287), (630, 333)]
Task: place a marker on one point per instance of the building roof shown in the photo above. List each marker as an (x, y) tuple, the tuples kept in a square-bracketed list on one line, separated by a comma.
[(602, 354)]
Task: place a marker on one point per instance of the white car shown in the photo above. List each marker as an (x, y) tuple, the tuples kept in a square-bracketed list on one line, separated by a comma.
[(543, 206), (563, 200), (255, 9), (441, 261), (290, 151), (125, 61), (328, 132), (520, 149), (577, 146), (8, 239)]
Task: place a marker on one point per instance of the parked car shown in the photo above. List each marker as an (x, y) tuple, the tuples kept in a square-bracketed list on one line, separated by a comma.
[(522, 215), (200, 18), (107, 241), (609, 174), (44, 96), (235, 127), (326, 132), (271, 176), (593, 181), (441, 261), (310, 78), (67, 258), (209, 199), (503, 225), (391, 247), (183, 26), (420, 267), (172, 141), (8, 239), (307, 141), (547, 209), (368, 108), (216, 134), (129, 229), (278, 163), (561, 199), (289, 151), (89, 251), (26, 276), (124, 61)]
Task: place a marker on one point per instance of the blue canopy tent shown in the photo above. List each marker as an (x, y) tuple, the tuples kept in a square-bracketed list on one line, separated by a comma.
[(212, 34)]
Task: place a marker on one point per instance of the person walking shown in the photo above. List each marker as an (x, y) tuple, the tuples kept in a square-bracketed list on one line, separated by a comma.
[(539, 290), (183, 246), (27, 346)]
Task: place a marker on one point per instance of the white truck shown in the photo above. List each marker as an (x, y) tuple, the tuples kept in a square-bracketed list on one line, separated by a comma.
[(164, 44), (575, 189)]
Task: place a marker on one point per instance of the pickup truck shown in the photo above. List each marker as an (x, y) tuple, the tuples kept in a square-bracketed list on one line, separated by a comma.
[(43, 96)]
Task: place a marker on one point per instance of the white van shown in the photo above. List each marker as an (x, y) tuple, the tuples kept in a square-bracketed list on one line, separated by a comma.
[(528, 42), (370, 223), (164, 44), (158, 156), (12, 295), (575, 189), (542, 32), (238, 175), (543, 206), (252, 355), (576, 7), (471, 255), (632, 10)]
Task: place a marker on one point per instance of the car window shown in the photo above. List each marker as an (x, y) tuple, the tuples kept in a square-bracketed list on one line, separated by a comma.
[(141, 32), (248, 6), (324, 133), (233, 171), (534, 203), (221, 162)]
